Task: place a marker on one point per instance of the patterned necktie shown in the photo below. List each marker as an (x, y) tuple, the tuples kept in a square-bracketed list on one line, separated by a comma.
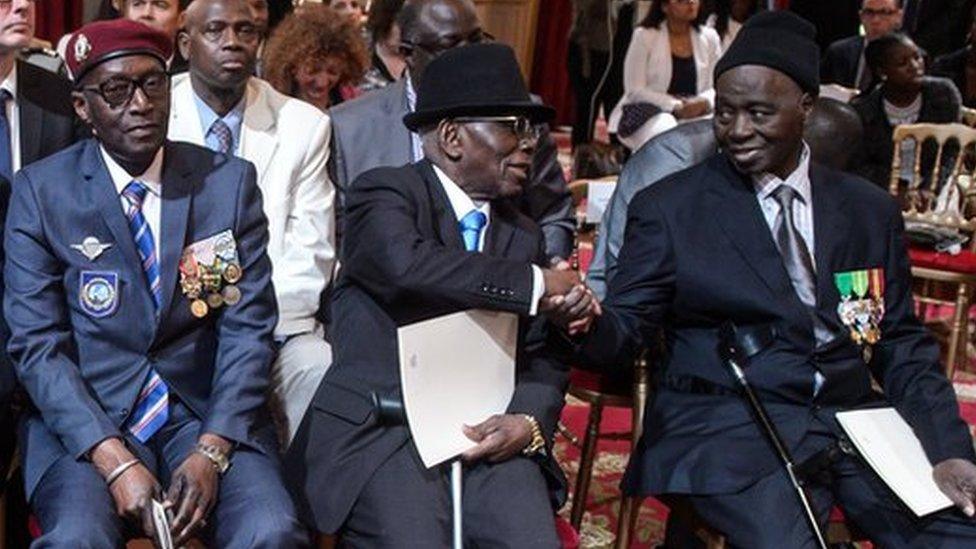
[(471, 225), (152, 405), (225, 139), (796, 258), (6, 145)]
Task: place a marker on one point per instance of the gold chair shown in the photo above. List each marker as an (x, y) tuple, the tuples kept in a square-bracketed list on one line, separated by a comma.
[(945, 201), (968, 116)]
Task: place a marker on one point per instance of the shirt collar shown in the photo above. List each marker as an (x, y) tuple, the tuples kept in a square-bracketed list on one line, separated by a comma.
[(800, 179), (10, 82), (461, 203), (234, 117), (152, 178), (411, 93)]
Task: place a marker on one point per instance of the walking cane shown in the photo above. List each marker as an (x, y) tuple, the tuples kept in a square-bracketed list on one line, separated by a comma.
[(389, 411), (736, 353)]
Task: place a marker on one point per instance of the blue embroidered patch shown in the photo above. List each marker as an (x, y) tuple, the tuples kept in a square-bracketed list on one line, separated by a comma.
[(98, 292)]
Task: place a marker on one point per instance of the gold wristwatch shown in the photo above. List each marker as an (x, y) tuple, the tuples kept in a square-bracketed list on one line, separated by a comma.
[(538, 443), (219, 459)]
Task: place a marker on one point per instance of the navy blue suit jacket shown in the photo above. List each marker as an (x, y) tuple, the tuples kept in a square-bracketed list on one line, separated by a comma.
[(697, 253), (83, 373)]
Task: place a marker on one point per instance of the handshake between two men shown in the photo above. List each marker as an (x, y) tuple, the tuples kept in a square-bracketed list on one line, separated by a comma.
[(567, 301)]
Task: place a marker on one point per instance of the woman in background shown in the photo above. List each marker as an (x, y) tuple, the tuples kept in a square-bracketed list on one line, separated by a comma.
[(905, 96), (388, 63), (315, 55), (667, 73), (729, 16)]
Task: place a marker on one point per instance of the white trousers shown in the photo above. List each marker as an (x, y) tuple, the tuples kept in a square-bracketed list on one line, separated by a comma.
[(295, 376)]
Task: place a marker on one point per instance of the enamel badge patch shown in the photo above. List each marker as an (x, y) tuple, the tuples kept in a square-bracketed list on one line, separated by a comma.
[(98, 292), (861, 306)]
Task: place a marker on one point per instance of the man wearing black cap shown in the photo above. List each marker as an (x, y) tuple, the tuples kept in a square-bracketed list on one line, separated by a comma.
[(785, 249), (428, 239), (141, 313)]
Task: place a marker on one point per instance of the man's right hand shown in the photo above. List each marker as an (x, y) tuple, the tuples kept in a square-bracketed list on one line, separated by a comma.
[(559, 281), (134, 490)]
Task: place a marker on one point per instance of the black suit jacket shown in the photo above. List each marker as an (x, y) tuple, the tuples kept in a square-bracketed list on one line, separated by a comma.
[(47, 119), (953, 66), (403, 261), (698, 253), (940, 104), (938, 26), (839, 65)]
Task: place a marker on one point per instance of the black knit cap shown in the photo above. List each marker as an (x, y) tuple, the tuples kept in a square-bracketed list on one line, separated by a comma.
[(779, 40)]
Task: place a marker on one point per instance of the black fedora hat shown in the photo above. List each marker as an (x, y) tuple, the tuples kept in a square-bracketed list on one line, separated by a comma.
[(474, 80)]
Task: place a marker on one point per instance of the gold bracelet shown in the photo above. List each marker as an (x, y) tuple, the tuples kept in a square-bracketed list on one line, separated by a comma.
[(538, 443), (117, 472)]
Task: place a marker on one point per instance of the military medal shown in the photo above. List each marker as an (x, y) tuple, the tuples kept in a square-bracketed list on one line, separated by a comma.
[(862, 305), (231, 294), (215, 301), (232, 273), (199, 308)]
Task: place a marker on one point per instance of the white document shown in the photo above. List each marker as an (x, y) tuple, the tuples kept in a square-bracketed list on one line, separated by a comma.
[(455, 370), (891, 448), (160, 521), (598, 195)]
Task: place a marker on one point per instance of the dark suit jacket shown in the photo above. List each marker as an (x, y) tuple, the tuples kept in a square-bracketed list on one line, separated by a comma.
[(839, 64), (940, 104), (939, 26), (84, 373), (47, 119), (403, 261), (698, 253), (368, 133), (953, 66)]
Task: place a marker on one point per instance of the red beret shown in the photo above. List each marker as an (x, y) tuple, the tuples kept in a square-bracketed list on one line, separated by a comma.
[(103, 40)]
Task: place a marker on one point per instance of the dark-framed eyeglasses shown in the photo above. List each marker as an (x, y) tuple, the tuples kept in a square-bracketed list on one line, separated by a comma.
[(522, 127), (441, 45), (117, 91), (870, 12)]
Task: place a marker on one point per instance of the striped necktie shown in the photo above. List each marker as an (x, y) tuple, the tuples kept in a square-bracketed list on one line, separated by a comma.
[(225, 139), (152, 405)]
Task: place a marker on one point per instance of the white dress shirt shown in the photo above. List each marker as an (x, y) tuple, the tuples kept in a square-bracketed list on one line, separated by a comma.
[(462, 205), (13, 117), (152, 179)]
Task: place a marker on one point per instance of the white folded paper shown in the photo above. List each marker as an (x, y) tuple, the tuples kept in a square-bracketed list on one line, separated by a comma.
[(455, 370), (598, 194), (888, 444), (164, 539)]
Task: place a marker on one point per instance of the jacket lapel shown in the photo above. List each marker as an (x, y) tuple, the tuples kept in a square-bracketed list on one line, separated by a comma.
[(501, 230), (733, 197), (177, 190), (184, 120), (31, 122), (443, 215), (831, 228), (397, 106), (259, 141), (101, 193)]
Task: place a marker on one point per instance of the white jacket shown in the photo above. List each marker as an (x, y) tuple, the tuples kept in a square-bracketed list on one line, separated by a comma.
[(647, 68), (287, 140)]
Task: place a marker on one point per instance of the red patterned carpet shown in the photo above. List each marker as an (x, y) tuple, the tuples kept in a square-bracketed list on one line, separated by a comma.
[(600, 519)]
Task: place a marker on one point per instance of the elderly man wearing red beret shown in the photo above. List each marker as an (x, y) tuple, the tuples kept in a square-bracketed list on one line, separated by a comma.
[(141, 311)]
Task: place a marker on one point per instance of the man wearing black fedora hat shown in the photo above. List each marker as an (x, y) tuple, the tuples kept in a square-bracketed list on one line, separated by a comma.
[(809, 265), (424, 240)]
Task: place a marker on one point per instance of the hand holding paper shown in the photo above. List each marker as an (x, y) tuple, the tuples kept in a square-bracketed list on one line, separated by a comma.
[(957, 480), (499, 437)]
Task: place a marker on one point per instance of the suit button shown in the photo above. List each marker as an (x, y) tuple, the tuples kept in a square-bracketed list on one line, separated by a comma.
[(124, 412), (484, 287)]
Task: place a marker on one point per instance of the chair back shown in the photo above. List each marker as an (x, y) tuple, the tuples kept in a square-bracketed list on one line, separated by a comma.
[(968, 116), (944, 196)]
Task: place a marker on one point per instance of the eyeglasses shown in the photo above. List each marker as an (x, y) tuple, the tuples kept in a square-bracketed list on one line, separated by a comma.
[(682, 1), (869, 12), (438, 47), (522, 127), (118, 90)]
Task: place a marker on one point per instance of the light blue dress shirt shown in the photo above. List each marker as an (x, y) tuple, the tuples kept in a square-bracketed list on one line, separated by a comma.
[(234, 119)]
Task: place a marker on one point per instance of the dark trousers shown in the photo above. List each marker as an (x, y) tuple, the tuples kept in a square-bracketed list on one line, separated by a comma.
[(768, 514), (406, 505), (585, 88), (76, 510)]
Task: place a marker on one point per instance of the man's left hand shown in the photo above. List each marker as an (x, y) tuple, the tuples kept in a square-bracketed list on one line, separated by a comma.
[(499, 437), (193, 491), (957, 479)]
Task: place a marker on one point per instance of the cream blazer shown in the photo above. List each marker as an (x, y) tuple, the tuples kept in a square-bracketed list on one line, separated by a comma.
[(287, 140), (647, 68)]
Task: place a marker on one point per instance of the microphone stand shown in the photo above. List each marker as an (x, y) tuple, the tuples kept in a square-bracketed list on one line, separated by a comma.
[(735, 354)]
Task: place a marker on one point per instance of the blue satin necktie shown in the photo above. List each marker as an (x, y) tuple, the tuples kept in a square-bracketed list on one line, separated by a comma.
[(471, 225)]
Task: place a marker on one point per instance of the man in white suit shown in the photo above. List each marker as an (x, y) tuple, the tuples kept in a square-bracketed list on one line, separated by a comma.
[(220, 105)]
